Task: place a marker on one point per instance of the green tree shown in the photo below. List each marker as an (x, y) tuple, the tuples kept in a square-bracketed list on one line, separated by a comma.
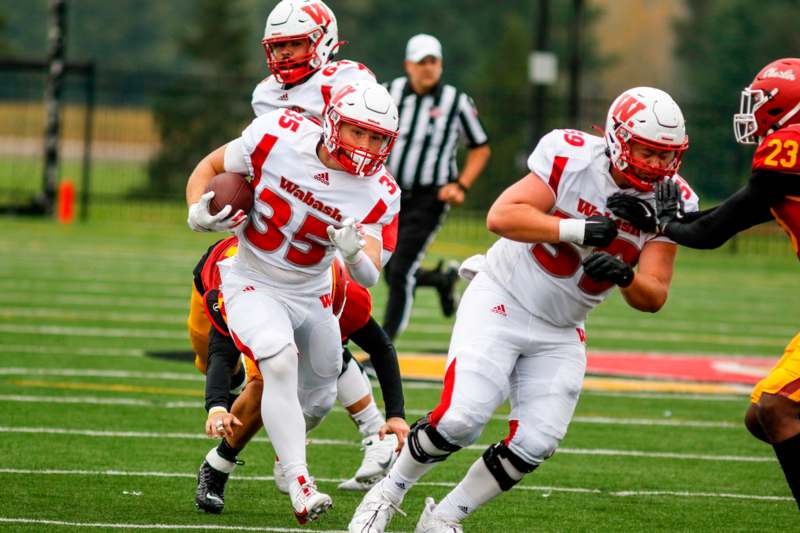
[(197, 114), (486, 47), (723, 44), (5, 46)]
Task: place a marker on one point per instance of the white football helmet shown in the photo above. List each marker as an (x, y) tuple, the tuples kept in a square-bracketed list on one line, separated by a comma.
[(366, 105), (650, 117), (291, 20)]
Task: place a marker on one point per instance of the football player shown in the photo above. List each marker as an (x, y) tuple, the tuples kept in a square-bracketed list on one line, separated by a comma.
[(277, 286), (352, 304), (519, 331), (769, 118), (300, 41)]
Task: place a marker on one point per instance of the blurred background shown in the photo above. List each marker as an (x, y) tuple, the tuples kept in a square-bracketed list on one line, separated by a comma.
[(149, 86)]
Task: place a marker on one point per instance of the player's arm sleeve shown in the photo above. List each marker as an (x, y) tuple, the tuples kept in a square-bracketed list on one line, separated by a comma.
[(236, 157), (222, 358), (747, 207), (373, 340), (470, 123)]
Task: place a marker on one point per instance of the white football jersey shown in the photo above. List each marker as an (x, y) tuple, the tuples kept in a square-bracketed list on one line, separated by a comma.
[(548, 279), (312, 96), (297, 197)]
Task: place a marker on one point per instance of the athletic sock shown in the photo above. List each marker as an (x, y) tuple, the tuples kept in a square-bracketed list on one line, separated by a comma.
[(218, 462), (369, 420), (405, 472), (788, 452), (477, 488), (228, 452), (282, 414)]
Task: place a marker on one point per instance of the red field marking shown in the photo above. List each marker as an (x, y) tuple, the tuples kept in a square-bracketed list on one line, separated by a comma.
[(709, 368)]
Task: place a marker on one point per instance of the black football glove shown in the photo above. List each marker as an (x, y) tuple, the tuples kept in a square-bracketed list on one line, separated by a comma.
[(669, 204), (638, 212), (602, 266), (599, 231)]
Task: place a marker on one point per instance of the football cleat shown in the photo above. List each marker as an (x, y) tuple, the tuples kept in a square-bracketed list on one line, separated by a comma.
[(354, 485), (308, 502), (281, 482), (379, 456), (210, 494), (373, 513), (448, 297), (428, 523)]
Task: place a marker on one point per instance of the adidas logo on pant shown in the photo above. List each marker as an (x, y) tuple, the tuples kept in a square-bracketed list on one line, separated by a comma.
[(500, 310)]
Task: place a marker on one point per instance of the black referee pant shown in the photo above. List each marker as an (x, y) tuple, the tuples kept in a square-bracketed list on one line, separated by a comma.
[(421, 216)]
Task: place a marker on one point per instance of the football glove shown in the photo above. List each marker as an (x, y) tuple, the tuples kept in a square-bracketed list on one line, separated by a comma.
[(669, 204), (602, 266), (599, 231), (349, 239), (200, 219), (638, 212)]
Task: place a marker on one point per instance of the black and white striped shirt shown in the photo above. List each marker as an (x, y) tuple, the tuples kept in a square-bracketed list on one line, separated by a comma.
[(424, 155)]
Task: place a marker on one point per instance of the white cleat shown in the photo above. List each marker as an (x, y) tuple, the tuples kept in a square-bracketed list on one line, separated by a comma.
[(355, 486), (373, 513), (281, 482), (428, 523), (308, 502), (379, 456)]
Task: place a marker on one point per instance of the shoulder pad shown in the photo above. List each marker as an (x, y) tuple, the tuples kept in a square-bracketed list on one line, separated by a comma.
[(779, 152), (345, 71), (576, 147), (285, 124)]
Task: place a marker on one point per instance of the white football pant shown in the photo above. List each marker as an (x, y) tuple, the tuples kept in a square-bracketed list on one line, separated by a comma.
[(499, 350)]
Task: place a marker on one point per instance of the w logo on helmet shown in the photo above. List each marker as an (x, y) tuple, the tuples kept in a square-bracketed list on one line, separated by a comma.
[(627, 107), (318, 13)]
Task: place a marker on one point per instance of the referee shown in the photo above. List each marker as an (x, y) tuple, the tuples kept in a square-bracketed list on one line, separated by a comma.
[(433, 117)]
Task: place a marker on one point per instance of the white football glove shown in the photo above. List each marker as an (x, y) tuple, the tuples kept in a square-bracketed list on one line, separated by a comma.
[(349, 239), (201, 220)]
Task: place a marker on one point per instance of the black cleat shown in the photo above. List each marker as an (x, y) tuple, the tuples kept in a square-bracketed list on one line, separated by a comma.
[(448, 297), (210, 495)]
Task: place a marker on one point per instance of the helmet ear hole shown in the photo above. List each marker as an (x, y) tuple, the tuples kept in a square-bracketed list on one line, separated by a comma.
[(775, 112)]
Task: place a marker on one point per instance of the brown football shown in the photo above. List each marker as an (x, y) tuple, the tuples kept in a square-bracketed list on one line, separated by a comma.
[(230, 189)]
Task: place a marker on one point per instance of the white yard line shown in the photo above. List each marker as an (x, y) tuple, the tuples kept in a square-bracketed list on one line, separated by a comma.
[(106, 289), (70, 350), (347, 443), (671, 396), (533, 488), (155, 317), (202, 527), (601, 420), (98, 373), (71, 301), (93, 332)]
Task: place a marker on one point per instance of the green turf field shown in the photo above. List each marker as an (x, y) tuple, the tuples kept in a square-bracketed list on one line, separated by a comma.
[(99, 431)]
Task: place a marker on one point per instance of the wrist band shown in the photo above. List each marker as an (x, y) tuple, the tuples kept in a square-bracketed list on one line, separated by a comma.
[(571, 230), (217, 409), (461, 186)]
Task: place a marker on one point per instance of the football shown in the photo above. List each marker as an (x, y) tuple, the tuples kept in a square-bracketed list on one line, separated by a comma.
[(230, 189)]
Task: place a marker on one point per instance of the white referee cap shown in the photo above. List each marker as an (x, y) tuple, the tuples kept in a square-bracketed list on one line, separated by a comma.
[(421, 46)]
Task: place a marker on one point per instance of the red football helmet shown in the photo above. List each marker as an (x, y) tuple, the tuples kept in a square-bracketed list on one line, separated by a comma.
[(770, 102)]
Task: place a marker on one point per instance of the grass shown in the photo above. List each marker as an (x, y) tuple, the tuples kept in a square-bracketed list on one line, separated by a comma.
[(98, 430)]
